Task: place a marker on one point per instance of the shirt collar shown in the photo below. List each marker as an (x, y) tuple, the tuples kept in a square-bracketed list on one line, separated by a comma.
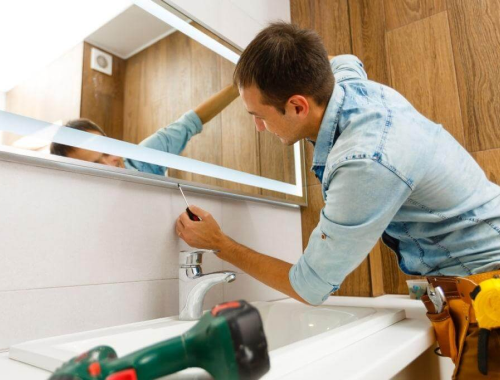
[(328, 130)]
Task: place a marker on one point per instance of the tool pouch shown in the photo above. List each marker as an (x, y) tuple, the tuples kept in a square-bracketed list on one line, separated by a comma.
[(445, 332), (451, 325)]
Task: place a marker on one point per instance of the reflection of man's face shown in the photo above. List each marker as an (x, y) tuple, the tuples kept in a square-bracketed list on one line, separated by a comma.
[(98, 158)]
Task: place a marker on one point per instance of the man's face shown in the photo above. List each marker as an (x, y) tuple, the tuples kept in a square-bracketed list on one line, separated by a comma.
[(98, 158), (288, 126)]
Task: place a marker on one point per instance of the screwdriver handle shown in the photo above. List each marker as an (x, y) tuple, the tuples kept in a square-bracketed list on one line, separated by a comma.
[(192, 216)]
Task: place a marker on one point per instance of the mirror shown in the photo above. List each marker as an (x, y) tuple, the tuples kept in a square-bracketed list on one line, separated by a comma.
[(139, 80)]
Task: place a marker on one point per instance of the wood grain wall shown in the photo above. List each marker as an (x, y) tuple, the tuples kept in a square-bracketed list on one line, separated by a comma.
[(440, 54), (102, 95)]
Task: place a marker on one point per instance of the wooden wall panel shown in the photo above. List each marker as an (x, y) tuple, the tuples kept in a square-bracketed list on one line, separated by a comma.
[(489, 160), (103, 95), (368, 37), (475, 30), (329, 18), (52, 94), (375, 260), (421, 68), (403, 12)]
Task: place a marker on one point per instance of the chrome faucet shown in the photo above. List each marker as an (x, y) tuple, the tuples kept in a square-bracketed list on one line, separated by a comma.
[(193, 284)]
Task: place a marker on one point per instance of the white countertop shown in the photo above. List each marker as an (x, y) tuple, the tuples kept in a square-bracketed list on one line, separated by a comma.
[(380, 356)]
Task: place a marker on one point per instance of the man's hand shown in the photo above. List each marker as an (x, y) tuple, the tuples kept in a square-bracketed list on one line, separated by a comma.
[(205, 234)]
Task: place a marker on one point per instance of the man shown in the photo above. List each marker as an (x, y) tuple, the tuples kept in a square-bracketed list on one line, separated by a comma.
[(170, 139), (385, 170)]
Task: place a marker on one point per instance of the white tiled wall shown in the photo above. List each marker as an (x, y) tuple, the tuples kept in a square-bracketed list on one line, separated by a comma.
[(80, 252)]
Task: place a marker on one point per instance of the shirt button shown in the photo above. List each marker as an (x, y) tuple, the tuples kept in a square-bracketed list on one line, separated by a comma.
[(323, 236)]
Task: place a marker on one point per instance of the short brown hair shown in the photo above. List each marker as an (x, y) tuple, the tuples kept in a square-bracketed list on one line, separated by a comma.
[(285, 60), (84, 125)]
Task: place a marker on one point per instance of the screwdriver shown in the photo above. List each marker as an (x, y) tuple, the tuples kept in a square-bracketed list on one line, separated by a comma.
[(192, 216)]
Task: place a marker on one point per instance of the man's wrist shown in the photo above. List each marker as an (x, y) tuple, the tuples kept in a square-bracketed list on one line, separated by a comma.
[(224, 246)]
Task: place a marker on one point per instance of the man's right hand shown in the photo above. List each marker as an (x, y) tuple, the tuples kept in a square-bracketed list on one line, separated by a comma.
[(205, 234)]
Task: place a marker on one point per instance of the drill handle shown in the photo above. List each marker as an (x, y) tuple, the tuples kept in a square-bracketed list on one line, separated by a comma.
[(155, 361)]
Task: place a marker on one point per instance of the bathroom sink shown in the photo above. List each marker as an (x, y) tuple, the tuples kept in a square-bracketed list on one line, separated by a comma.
[(297, 335)]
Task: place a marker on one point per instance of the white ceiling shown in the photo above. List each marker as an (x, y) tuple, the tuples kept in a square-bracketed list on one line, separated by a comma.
[(130, 32)]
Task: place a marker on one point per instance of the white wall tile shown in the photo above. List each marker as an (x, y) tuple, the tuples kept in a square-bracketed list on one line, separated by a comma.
[(35, 314), (268, 229), (80, 252), (84, 231), (63, 229)]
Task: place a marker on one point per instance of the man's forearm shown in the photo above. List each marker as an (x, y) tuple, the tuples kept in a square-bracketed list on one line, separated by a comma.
[(211, 107), (266, 269)]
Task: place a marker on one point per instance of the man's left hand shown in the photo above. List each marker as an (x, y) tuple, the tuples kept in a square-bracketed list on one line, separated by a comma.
[(205, 234)]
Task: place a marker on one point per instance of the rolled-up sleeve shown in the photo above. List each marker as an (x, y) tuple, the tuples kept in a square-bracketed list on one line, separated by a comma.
[(170, 139), (347, 66), (362, 198), (173, 138)]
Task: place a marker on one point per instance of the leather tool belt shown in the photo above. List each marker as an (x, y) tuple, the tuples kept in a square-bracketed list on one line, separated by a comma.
[(452, 323)]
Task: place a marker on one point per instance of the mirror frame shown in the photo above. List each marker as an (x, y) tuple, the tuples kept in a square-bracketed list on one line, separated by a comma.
[(26, 157)]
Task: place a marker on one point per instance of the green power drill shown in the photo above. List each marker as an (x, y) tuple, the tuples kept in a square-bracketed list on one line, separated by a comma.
[(228, 342)]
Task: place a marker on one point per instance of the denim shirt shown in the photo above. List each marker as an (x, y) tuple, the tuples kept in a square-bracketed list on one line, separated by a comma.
[(171, 139), (387, 170)]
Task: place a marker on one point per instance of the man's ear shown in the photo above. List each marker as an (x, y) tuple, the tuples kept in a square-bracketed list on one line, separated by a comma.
[(298, 105)]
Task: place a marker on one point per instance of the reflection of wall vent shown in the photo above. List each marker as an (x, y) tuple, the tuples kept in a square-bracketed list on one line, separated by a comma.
[(101, 61)]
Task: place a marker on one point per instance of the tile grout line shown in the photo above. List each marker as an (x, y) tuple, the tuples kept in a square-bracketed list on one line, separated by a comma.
[(86, 285)]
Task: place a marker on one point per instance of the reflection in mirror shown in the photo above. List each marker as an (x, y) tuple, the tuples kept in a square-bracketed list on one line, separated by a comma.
[(138, 80)]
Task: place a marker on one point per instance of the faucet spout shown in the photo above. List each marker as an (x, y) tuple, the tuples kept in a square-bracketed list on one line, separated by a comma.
[(193, 286)]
